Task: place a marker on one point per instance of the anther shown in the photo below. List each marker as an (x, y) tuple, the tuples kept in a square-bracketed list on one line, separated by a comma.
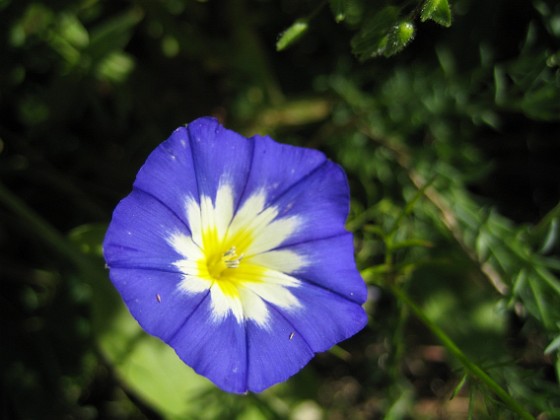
[(230, 258)]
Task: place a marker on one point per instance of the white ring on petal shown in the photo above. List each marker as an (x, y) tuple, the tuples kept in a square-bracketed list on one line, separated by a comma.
[(262, 275)]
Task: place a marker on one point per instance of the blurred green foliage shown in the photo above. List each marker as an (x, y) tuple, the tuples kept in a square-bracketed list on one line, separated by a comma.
[(446, 117)]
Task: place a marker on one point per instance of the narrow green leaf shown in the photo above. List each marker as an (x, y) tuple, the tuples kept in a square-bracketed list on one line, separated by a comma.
[(338, 9), (292, 34), (554, 345), (438, 11), (113, 34), (409, 243), (459, 386)]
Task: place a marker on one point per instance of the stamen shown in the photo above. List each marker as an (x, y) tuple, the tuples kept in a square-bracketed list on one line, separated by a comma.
[(230, 252), (230, 258)]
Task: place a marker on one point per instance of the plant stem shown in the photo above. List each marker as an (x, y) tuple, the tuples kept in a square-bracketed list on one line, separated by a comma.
[(41, 228), (469, 365)]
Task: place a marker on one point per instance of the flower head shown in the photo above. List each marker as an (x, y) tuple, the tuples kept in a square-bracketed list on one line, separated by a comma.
[(233, 251)]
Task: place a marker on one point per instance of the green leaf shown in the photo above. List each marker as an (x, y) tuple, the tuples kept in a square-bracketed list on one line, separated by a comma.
[(438, 11), (89, 238), (113, 34), (399, 37), (554, 345), (115, 67), (72, 30), (384, 34), (460, 385), (292, 34), (338, 9), (409, 243)]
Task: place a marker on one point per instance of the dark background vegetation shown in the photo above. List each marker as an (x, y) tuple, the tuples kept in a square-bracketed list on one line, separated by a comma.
[(447, 125)]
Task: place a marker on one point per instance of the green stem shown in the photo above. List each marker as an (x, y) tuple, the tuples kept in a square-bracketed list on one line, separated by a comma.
[(41, 228), (474, 369)]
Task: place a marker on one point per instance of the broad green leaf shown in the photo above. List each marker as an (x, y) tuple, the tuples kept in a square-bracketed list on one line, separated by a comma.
[(292, 34), (438, 11)]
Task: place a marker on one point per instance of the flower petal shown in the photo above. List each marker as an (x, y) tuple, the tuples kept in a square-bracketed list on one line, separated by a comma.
[(154, 300), (325, 318), (277, 167), (218, 155), (275, 353), (191, 162), (320, 201), (168, 174), (329, 264), (215, 350), (138, 232)]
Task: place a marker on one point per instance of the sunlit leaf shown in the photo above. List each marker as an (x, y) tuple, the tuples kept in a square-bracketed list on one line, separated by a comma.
[(385, 34), (338, 9), (292, 34), (554, 345), (115, 67), (438, 11)]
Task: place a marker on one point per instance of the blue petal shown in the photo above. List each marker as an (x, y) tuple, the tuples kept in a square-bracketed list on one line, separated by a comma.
[(322, 201), (276, 353), (325, 318), (215, 350), (299, 181), (169, 175), (154, 300), (277, 167), (219, 155), (193, 161), (137, 236), (330, 265)]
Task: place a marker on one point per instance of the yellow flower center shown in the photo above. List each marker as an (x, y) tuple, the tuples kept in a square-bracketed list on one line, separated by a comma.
[(222, 261), (220, 266), (233, 255)]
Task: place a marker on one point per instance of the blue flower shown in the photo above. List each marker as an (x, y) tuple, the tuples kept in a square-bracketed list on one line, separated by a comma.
[(233, 251)]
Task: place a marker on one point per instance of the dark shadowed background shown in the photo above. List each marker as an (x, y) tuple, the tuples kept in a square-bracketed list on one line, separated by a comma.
[(448, 125)]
